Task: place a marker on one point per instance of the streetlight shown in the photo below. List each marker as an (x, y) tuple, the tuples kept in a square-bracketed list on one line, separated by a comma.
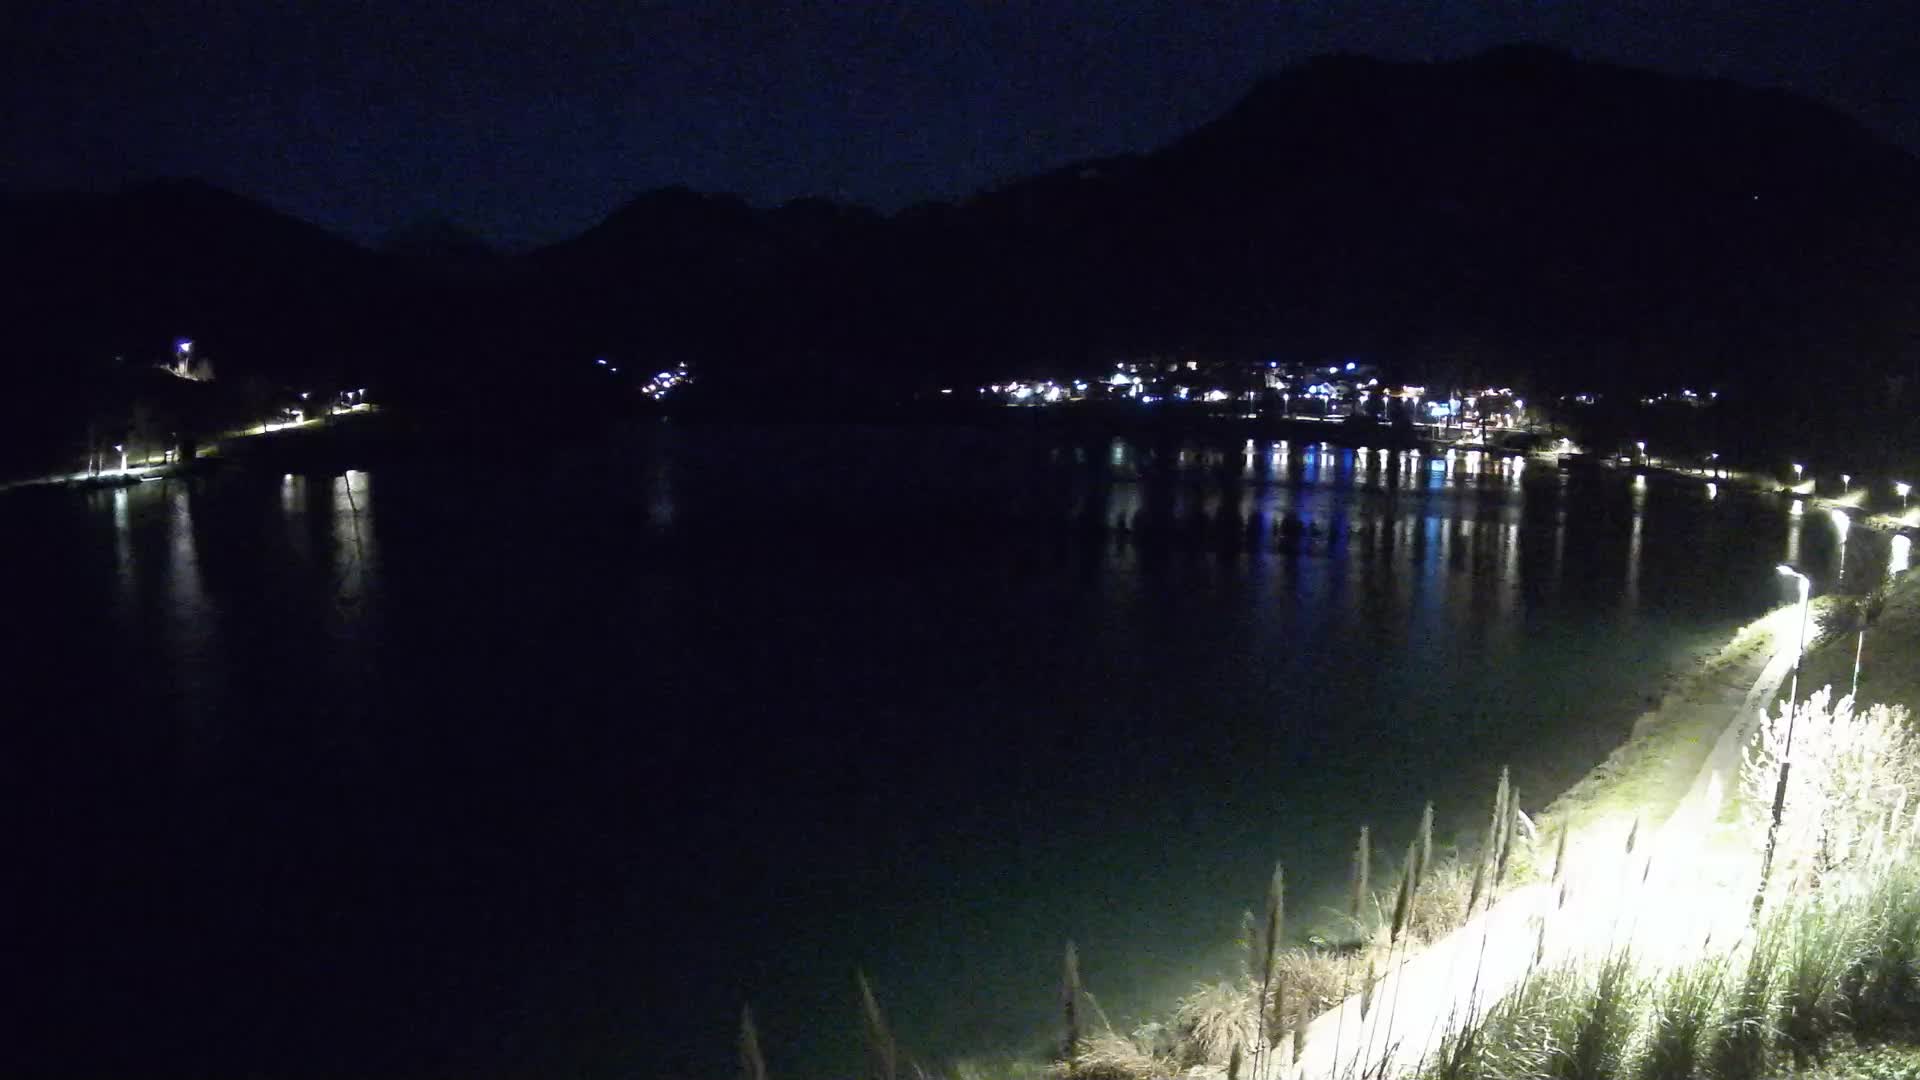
[(1846, 483), (1643, 451), (1840, 525), (1799, 470), (123, 455), (1806, 593), (1901, 489), (1786, 754)]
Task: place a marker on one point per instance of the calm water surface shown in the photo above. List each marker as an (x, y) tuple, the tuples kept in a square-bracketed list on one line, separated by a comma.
[(545, 766)]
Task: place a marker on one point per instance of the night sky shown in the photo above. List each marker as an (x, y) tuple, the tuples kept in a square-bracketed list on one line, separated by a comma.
[(528, 122)]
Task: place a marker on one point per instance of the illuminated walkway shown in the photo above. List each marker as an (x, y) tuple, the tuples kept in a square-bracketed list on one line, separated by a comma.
[(1664, 899)]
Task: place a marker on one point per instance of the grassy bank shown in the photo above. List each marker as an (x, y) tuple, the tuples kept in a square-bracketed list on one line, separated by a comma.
[(1889, 672), (1402, 903), (1812, 965), (1824, 984)]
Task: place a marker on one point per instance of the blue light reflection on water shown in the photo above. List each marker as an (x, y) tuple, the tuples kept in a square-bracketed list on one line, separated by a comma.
[(763, 705)]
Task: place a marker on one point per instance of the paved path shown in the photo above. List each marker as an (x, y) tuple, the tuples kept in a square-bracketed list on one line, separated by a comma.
[(1667, 893)]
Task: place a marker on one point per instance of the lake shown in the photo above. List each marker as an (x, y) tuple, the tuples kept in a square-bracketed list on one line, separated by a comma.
[(545, 764)]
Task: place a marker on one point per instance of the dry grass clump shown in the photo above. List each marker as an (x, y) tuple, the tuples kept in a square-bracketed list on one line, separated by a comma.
[(1106, 1054), (1317, 978), (997, 1068), (1211, 1022), (1439, 907)]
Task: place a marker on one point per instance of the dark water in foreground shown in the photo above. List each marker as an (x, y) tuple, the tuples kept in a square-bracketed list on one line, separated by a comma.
[(544, 767)]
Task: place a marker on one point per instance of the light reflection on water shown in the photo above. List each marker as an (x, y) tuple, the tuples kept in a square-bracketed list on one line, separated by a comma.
[(1146, 618)]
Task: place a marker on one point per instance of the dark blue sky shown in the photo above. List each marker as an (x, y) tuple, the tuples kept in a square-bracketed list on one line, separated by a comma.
[(529, 122)]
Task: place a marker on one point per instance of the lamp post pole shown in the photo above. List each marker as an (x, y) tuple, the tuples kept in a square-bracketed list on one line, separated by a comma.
[(1786, 754), (1859, 647)]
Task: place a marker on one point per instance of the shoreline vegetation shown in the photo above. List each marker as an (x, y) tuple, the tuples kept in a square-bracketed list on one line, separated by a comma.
[(1824, 981)]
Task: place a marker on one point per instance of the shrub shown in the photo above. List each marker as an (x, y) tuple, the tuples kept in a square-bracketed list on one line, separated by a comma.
[(1849, 772), (1591, 1025), (1822, 943), (1883, 990), (1440, 906), (1210, 1022), (1743, 1033), (1680, 1016), (1105, 1054), (1517, 1035), (1317, 977)]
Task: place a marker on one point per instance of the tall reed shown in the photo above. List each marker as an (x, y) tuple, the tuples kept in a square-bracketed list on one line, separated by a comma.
[(1883, 993), (1744, 1032), (1824, 941), (1593, 1024), (1680, 1020), (1493, 866), (1356, 896), (1272, 925), (883, 1056), (1070, 1002), (1423, 846), (753, 1065), (1419, 860), (1396, 936)]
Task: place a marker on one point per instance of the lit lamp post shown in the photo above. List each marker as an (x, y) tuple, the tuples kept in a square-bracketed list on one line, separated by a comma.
[(1799, 470), (1643, 451), (1800, 648), (1786, 754), (1902, 489), (1846, 484), (1859, 649), (1840, 526), (122, 448)]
